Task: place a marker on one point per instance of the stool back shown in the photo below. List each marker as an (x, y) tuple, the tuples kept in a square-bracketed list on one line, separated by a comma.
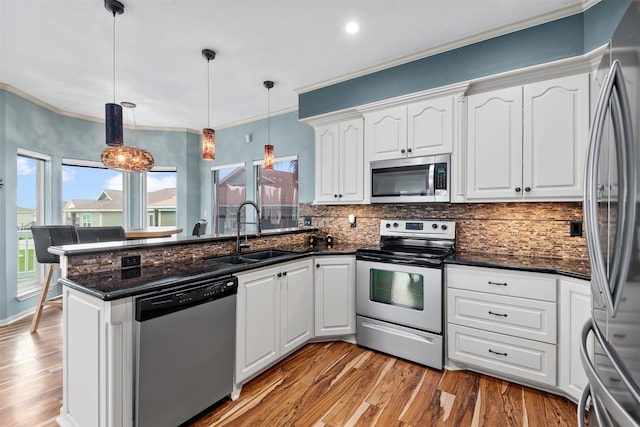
[(51, 235), (100, 234)]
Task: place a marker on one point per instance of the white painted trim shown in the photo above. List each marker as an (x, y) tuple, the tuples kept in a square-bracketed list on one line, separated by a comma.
[(231, 165), (458, 89), (276, 159), (496, 32), (33, 154), (164, 169), (66, 161)]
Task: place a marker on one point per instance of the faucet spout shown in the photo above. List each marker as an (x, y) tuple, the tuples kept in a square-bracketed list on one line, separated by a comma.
[(238, 222)]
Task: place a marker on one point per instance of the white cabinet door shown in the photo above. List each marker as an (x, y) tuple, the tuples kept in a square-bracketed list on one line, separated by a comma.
[(575, 309), (327, 163), (296, 296), (257, 321), (556, 127), (351, 175), (494, 163), (430, 127), (386, 133), (335, 288)]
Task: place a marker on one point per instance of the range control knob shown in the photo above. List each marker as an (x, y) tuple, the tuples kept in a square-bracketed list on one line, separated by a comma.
[(443, 226), (395, 225), (388, 225), (434, 226)]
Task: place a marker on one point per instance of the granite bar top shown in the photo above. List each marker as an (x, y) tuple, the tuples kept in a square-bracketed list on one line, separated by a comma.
[(575, 268), (115, 284)]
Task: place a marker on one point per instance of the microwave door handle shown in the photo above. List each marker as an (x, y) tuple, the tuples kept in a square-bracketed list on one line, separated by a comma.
[(625, 155), (431, 191)]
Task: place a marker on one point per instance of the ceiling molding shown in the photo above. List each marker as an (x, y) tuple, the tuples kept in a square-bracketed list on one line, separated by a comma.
[(500, 31)]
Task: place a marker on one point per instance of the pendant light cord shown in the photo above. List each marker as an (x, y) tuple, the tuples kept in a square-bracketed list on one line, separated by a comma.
[(114, 56), (269, 115), (208, 95)]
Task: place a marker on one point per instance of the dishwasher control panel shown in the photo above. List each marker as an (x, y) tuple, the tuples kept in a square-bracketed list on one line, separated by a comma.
[(199, 292)]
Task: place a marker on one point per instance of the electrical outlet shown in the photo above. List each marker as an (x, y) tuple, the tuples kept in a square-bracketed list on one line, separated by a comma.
[(130, 261), (307, 221), (575, 229)]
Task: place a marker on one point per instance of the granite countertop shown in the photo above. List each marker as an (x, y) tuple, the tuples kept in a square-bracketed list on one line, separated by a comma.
[(134, 281), (575, 268)]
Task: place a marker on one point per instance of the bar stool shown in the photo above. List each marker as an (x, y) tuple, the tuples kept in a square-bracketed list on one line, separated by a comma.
[(200, 228), (43, 237)]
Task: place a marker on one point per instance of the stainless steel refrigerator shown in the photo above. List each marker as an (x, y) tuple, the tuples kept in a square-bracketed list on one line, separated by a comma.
[(610, 345)]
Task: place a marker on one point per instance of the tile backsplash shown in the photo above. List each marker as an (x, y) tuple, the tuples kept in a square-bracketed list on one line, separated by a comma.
[(522, 229)]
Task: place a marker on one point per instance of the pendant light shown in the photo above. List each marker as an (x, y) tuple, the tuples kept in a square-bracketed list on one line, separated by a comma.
[(268, 149), (128, 159), (208, 134), (113, 111), (118, 156)]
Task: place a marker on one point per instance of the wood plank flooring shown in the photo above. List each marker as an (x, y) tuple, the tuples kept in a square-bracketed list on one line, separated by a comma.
[(333, 384)]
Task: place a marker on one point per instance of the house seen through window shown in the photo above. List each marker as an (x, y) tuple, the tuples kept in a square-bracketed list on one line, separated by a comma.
[(277, 194)]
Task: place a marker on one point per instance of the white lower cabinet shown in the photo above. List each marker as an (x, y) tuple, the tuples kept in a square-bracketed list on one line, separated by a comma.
[(575, 309), (503, 322), (274, 315), (518, 325), (97, 365), (335, 290)]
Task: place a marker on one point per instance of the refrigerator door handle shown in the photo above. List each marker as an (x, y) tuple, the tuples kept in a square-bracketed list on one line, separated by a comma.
[(625, 153), (614, 95), (598, 390)]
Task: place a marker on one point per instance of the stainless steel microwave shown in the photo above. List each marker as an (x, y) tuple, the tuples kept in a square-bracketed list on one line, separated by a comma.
[(411, 180)]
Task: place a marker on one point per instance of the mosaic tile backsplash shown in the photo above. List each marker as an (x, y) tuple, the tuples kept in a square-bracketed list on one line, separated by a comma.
[(522, 229)]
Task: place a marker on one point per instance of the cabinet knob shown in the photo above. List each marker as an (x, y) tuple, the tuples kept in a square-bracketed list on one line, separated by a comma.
[(339, 195), (317, 265), (279, 274), (409, 150), (527, 189), (518, 189), (335, 195), (284, 273)]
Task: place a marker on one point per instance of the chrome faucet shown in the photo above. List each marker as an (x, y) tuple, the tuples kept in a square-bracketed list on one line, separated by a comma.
[(246, 244)]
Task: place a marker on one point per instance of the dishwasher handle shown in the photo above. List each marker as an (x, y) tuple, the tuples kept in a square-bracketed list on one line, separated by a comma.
[(200, 292)]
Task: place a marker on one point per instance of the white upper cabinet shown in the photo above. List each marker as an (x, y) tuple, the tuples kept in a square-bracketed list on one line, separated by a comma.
[(417, 129), (528, 142), (340, 162)]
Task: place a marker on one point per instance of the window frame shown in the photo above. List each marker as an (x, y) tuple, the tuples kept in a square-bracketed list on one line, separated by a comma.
[(257, 164), (144, 191), (214, 194)]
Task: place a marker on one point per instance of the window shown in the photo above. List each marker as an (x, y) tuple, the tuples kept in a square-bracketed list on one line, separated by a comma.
[(277, 194), (229, 190), (92, 195), (30, 210), (161, 197)]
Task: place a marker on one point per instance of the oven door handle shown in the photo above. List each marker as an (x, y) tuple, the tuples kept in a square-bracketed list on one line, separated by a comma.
[(373, 258)]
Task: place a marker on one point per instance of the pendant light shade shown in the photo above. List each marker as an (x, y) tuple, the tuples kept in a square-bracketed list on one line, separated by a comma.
[(113, 124), (208, 144), (124, 158), (208, 134), (268, 149)]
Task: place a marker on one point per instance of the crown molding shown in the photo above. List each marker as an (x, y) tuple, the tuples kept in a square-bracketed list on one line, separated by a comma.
[(496, 32)]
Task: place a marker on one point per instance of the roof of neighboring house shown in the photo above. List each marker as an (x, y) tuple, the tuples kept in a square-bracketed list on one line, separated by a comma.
[(22, 210), (111, 200)]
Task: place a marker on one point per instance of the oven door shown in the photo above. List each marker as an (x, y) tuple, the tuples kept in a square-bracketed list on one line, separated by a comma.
[(402, 294)]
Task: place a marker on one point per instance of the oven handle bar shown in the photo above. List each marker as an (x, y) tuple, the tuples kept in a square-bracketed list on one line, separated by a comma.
[(393, 260), (393, 331)]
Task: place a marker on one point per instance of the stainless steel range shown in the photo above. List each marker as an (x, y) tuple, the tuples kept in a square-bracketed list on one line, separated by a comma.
[(399, 290)]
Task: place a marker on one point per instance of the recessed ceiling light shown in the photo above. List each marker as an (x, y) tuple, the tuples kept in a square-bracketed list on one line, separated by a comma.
[(352, 27)]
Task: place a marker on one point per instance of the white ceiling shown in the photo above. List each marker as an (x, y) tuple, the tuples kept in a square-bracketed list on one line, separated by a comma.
[(60, 51)]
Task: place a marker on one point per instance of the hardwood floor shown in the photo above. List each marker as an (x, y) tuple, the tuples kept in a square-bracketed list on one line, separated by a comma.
[(331, 384)]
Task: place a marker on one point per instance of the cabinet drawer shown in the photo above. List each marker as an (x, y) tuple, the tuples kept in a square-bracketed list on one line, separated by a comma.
[(502, 282), (520, 317), (506, 355)]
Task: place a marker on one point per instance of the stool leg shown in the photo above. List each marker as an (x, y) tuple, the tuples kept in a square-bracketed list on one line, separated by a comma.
[(43, 297)]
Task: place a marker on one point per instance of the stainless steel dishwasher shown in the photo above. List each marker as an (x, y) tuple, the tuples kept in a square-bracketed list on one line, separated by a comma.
[(184, 351)]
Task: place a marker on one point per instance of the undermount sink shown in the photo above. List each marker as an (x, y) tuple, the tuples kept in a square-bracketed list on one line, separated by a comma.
[(266, 254), (233, 259)]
